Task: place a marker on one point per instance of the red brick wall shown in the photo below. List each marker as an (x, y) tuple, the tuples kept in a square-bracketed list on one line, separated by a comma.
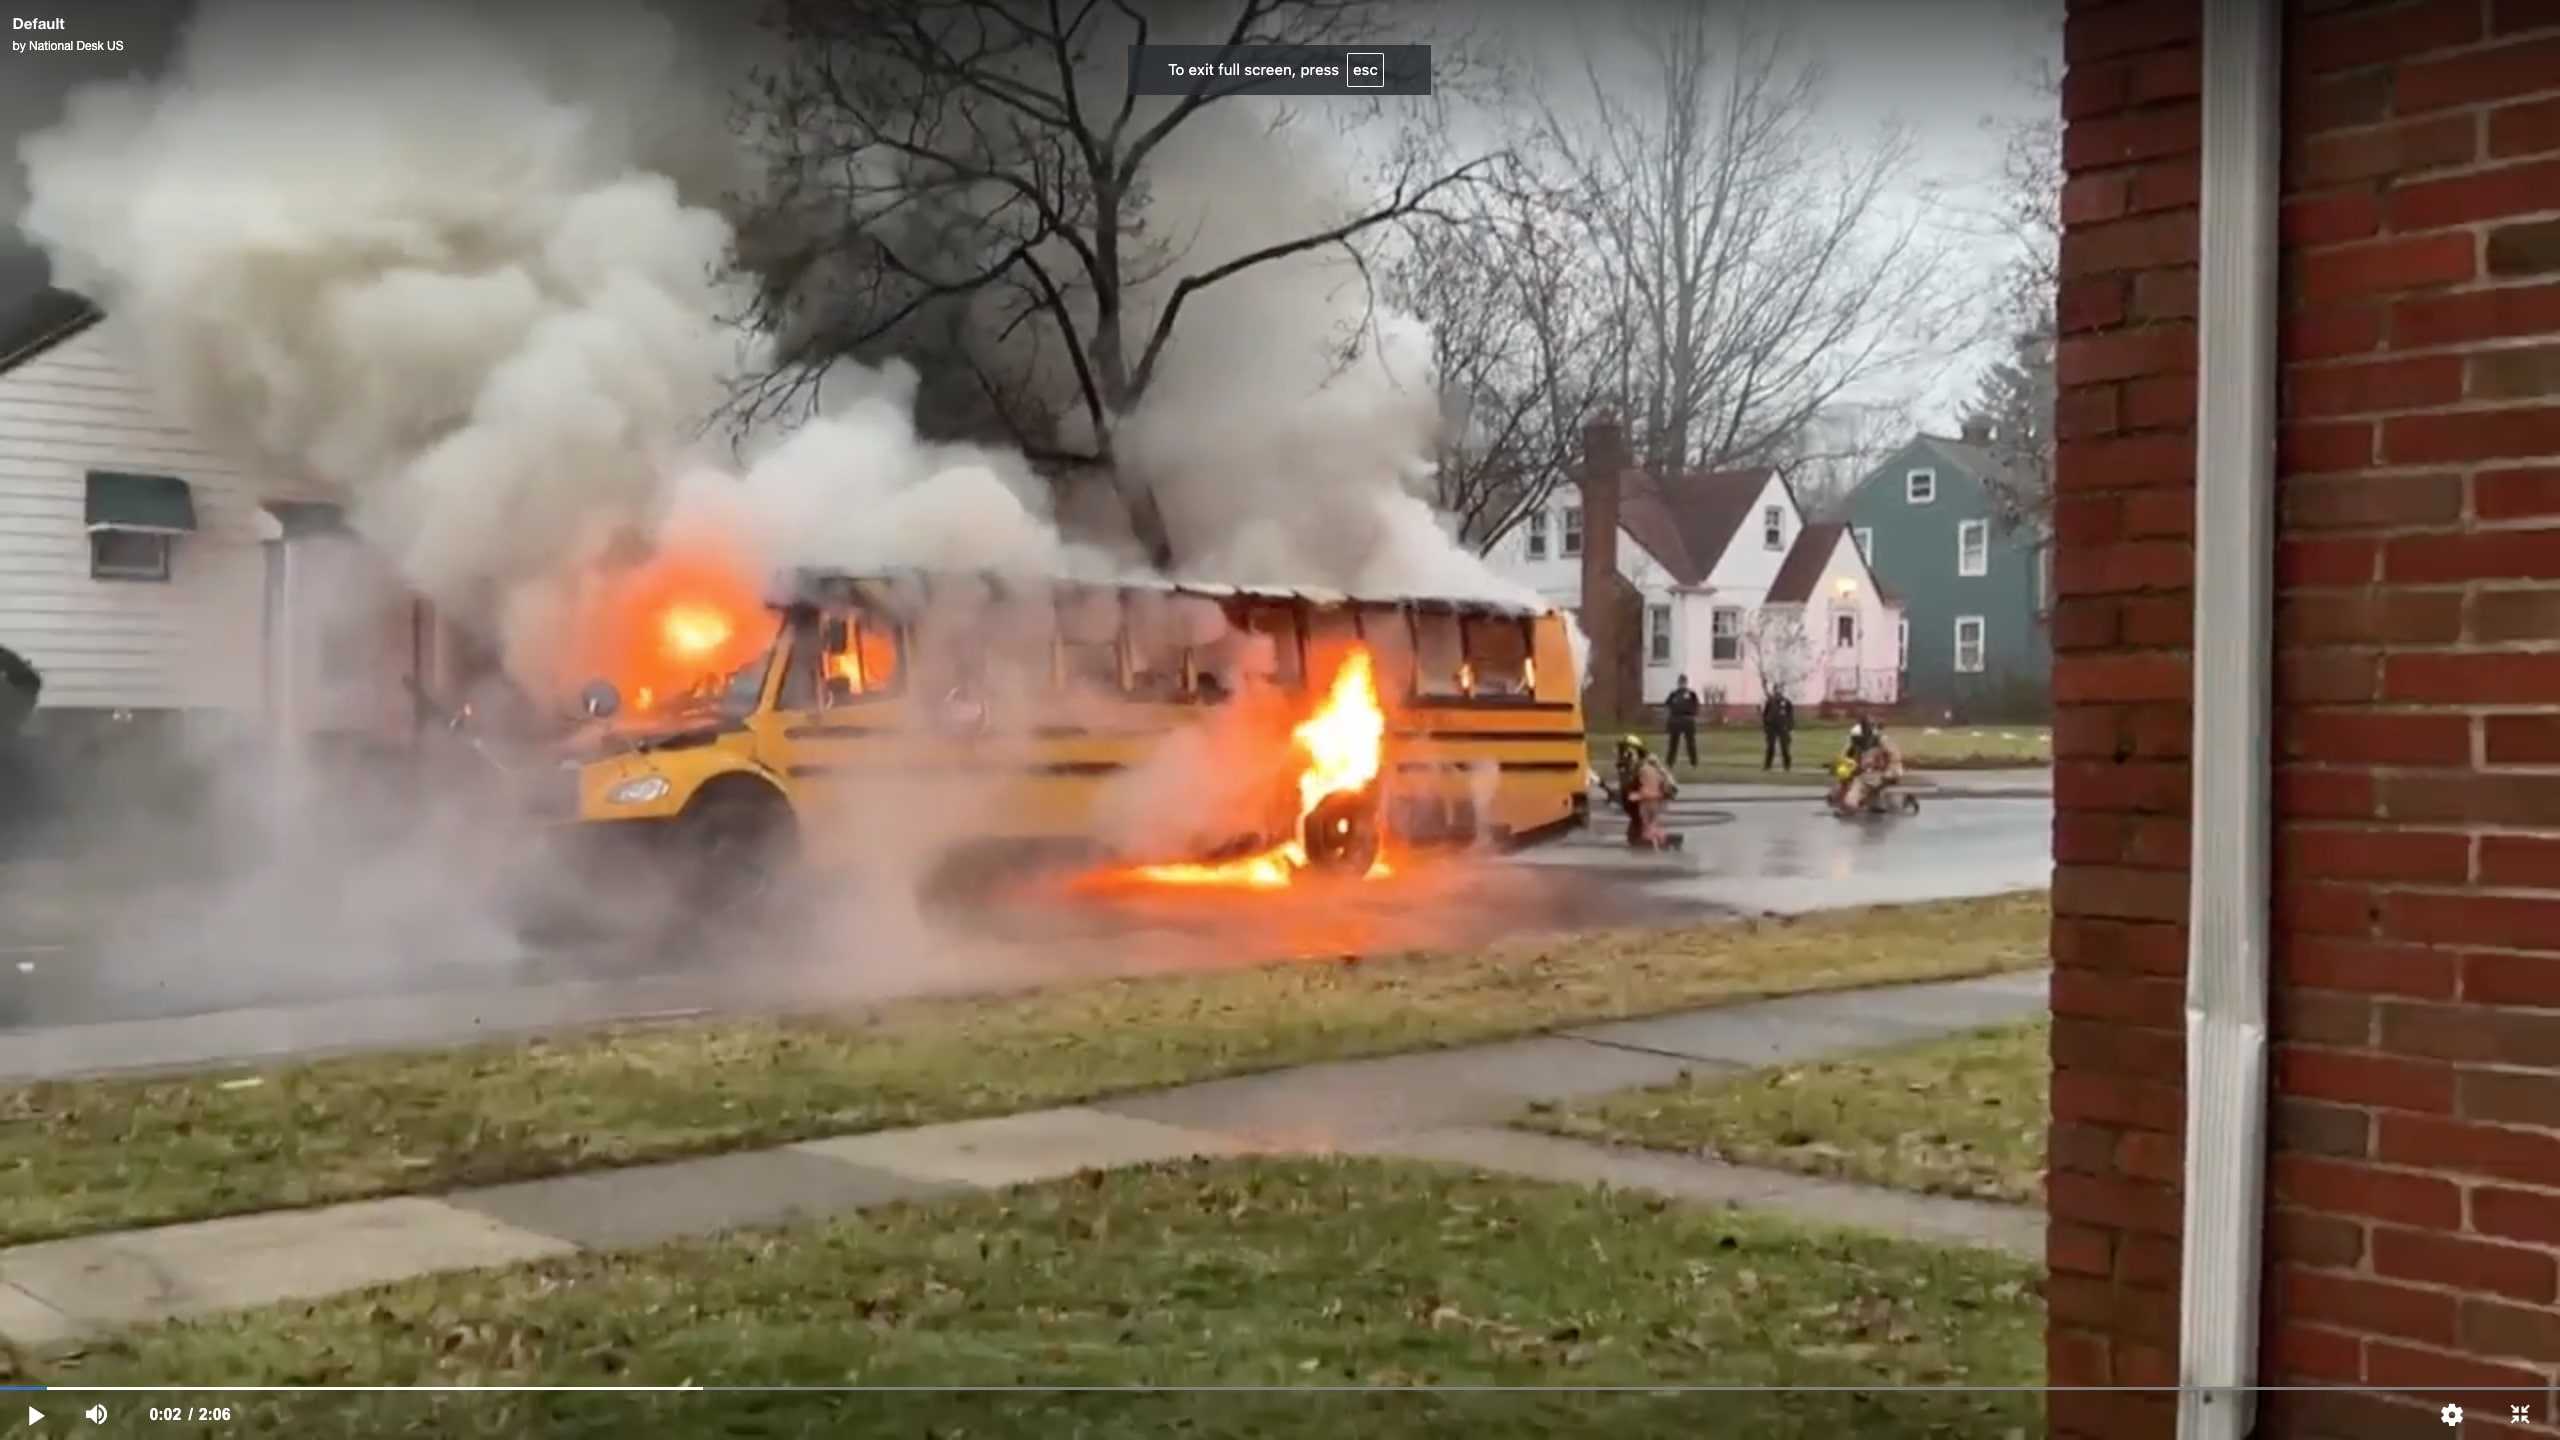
[(2414, 1184), (2125, 521), (2416, 1173)]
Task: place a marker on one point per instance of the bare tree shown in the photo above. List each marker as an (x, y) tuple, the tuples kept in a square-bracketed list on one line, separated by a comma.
[(2012, 406), (2028, 210), (965, 183), (1521, 340), (1765, 267), (1781, 649), (2015, 396), (1838, 448)]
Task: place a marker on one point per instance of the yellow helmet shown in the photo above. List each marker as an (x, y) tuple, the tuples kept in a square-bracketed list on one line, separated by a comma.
[(1631, 742)]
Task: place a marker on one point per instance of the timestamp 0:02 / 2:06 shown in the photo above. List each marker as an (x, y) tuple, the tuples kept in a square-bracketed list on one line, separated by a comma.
[(190, 1412)]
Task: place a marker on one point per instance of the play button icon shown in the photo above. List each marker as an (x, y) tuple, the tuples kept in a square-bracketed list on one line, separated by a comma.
[(34, 1415)]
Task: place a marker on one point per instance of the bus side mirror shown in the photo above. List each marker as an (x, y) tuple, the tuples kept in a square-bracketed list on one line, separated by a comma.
[(836, 638)]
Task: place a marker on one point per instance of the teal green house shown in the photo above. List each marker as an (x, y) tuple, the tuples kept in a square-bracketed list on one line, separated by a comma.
[(1977, 593)]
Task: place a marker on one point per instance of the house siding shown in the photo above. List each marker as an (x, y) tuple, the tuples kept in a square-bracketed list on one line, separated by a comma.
[(1739, 579), (192, 643), (1916, 559), (1748, 566), (1557, 577)]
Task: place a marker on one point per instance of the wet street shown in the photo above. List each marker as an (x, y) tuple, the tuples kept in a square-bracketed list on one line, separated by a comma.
[(80, 993)]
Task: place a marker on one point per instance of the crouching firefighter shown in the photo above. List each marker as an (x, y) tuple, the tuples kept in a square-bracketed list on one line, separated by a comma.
[(1644, 787), (1871, 765)]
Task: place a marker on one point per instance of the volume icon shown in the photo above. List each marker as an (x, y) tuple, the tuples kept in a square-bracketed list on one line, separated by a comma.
[(95, 1414)]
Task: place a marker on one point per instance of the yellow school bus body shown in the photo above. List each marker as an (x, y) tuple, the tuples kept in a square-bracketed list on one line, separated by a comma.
[(1457, 768)]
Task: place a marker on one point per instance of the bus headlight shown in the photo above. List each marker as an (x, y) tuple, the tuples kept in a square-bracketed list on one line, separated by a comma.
[(637, 792)]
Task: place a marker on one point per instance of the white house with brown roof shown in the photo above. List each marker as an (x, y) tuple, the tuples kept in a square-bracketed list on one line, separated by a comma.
[(1724, 581)]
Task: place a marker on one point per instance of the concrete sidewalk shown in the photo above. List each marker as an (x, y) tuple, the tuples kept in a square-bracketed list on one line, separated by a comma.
[(1445, 1106)]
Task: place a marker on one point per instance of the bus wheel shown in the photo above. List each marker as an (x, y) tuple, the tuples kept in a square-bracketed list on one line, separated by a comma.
[(1341, 836), (738, 846)]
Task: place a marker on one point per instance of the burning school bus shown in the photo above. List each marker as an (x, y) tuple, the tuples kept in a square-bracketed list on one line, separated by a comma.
[(1195, 735)]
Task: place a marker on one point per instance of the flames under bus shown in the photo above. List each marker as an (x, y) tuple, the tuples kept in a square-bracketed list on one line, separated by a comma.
[(1143, 725)]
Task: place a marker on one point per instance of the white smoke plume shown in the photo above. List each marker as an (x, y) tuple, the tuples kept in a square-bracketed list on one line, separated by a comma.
[(459, 260), (466, 262)]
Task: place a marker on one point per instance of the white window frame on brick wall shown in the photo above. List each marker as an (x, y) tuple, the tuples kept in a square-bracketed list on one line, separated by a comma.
[(1981, 645), (1973, 548), (1657, 635), (1534, 542), (1572, 545), (1920, 487), (1866, 538)]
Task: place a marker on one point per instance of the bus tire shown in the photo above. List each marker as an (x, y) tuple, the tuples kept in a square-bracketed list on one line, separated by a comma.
[(1341, 836), (739, 847)]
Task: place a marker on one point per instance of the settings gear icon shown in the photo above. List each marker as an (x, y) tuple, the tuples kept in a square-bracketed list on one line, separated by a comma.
[(2450, 1415)]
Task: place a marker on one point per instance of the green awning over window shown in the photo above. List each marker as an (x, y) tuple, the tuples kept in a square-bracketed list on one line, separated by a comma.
[(157, 504)]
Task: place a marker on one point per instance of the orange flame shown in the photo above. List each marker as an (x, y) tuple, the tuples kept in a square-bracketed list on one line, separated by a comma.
[(1344, 742), (694, 630), (663, 627)]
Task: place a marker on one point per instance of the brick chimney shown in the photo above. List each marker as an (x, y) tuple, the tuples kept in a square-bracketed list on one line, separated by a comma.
[(1605, 462)]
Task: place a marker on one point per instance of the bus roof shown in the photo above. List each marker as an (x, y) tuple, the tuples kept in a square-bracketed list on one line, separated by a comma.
[(809, 585)]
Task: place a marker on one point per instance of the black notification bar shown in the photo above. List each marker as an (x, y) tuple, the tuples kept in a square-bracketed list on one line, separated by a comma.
[(1280, 70)]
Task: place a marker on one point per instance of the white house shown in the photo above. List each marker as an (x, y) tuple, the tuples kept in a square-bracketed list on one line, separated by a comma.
[(1733, 588), (151, 577)]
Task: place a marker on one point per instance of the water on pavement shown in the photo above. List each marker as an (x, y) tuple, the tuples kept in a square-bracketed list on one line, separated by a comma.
[(72, 998)]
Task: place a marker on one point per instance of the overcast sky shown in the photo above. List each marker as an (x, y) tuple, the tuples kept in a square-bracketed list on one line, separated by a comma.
[(1940, 66)]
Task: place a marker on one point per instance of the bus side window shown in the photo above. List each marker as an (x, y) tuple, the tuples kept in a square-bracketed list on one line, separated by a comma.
[(1158, 659), (865, 660), (800, 688), (1498, 656), (1440, 661), (1275, 627), (1388, 632), (1088, 631)]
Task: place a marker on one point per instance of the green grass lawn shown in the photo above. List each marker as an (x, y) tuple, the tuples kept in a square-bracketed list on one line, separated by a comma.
[(103, 1154), (1960, 1116), (1296, 1274), (1732, 753)]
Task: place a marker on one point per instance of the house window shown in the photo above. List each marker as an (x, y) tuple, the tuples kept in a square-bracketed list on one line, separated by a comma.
[(1973, 547), (1902, 643), (1920, 487), (1657, 624), (1773, 527), (1844, 630), (2044, 578), (128, 555), (1537, 542), (1866, 543), (1968, 644), (131, 520), (1724, 636), (1572, 531)]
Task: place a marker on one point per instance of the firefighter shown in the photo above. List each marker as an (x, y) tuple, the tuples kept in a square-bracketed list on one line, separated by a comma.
[(1644, 787), (1875, 766)]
